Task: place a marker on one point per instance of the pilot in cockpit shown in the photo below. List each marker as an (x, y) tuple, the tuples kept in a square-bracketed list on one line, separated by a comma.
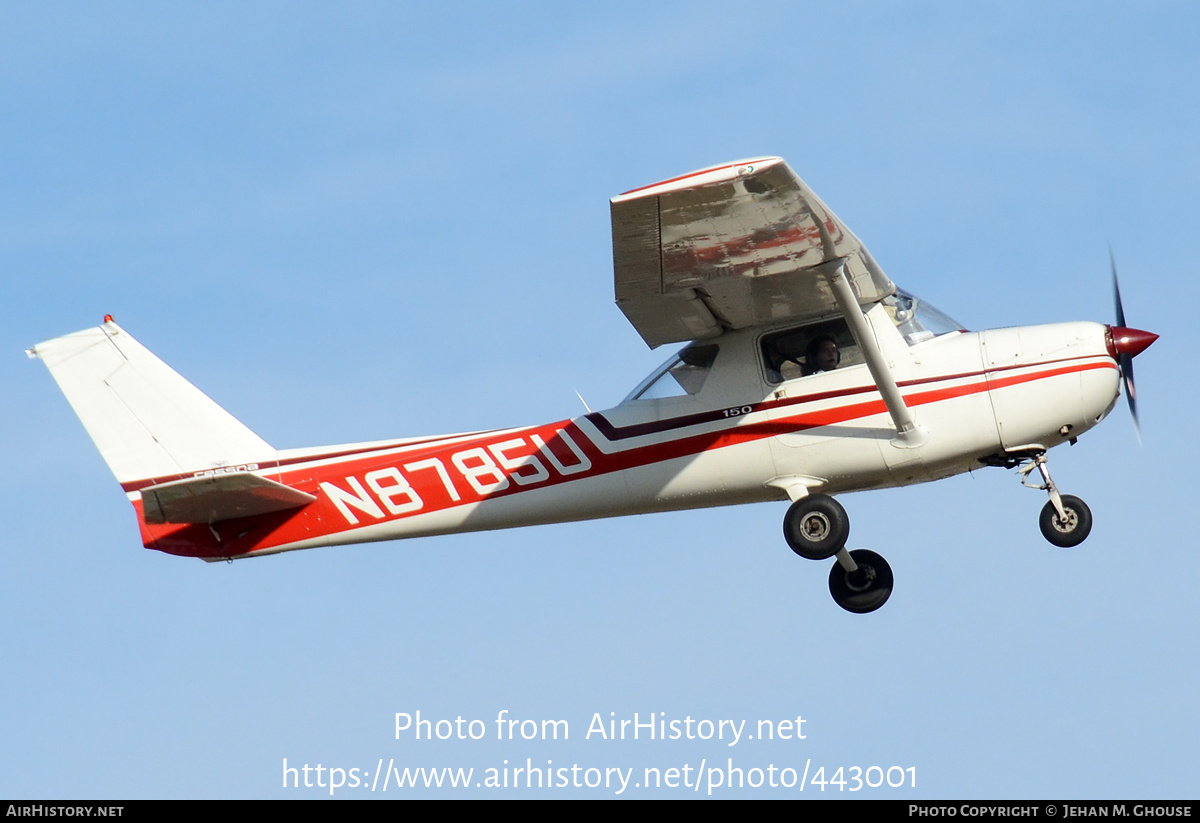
[(822, 355)]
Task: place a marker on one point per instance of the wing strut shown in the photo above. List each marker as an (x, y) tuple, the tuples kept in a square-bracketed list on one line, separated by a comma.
[(909, 435)]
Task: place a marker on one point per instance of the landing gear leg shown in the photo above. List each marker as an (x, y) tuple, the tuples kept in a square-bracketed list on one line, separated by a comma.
[(1066, 520), (816, 527)]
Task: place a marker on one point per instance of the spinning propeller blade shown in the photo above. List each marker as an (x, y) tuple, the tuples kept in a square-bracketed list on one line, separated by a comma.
[(1124, 344)]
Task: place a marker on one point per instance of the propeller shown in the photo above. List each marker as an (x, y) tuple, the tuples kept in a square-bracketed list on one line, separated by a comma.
[(1124, 344)]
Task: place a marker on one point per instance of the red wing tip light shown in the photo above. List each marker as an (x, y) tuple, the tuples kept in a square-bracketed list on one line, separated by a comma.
[(108, 318), (1129, 341)]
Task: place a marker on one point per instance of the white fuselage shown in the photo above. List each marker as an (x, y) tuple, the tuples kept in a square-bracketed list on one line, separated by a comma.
[(740, 438)]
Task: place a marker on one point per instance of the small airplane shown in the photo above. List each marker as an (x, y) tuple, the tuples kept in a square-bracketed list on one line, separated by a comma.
[(806, 373)]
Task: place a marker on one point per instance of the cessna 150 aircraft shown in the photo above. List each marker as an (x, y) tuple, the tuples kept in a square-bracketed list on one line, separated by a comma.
[(806, 373)]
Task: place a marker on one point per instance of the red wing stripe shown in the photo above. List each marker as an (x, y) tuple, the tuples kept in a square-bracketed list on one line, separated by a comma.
[(685, 177)]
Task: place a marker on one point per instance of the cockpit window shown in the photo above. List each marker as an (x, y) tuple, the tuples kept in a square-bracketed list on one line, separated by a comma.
[(682, 375), (917, 320), (808, 350)]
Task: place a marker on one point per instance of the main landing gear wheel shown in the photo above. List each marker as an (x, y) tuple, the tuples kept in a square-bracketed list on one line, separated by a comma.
[(866, 588), (1073, 530), (816, 527)]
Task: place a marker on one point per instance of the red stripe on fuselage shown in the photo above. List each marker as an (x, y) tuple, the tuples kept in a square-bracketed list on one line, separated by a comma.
[(440, 473)]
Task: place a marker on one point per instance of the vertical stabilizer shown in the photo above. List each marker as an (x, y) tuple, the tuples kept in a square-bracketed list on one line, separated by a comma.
[(147, 421)]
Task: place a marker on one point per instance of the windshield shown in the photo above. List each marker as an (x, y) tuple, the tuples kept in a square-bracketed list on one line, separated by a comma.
[(917, 320), (682, 375)]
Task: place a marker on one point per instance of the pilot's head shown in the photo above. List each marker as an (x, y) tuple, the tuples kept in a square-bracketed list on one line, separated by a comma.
[(823, 354)]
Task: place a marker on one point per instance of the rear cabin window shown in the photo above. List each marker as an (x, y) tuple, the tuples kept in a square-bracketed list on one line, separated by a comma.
[(684, 374)]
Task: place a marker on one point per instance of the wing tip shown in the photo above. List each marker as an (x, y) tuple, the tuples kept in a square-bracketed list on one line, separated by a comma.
[(719, 173)]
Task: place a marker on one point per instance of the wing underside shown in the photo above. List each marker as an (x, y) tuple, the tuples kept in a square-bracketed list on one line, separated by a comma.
[(731, 247)]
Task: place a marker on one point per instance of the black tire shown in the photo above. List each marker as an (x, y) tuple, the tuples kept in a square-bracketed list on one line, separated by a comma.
[(1067, 534), (816, 527), (864, 590)]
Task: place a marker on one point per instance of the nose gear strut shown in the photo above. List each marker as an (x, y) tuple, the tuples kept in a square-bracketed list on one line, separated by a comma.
[(1065, 520)]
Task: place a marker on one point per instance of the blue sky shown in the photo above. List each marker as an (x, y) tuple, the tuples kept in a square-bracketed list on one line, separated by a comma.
[(376, 220)]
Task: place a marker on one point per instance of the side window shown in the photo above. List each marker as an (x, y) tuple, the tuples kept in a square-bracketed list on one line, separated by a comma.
[(807, 350)]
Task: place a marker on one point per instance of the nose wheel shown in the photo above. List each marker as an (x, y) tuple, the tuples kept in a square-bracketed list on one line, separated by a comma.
[(1065, 521), (1070, 529), (816, 528)]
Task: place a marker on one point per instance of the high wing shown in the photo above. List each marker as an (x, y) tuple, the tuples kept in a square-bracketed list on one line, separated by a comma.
[(729, 247)]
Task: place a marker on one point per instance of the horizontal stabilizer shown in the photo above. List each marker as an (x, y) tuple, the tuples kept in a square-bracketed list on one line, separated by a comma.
[(218, 497)]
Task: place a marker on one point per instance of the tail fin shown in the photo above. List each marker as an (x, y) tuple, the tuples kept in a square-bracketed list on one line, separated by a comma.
[(148, 422)]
